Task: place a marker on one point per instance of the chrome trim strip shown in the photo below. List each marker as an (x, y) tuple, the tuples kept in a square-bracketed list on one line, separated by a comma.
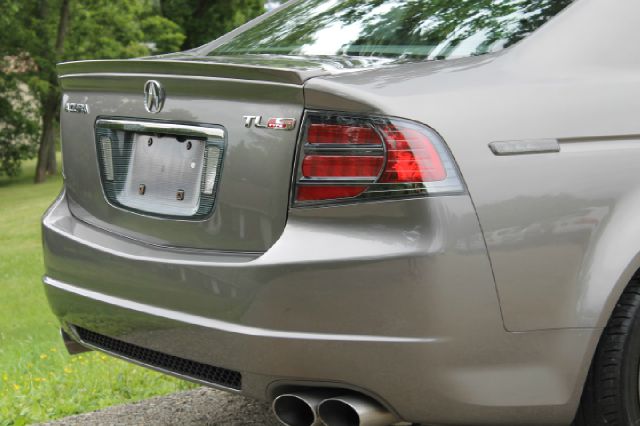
[(338, 180), (224, 326), (360, 149), (534, 146), (154, 127)]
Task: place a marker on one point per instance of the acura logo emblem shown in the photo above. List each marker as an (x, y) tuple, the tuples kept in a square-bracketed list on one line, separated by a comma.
[(153, 96)]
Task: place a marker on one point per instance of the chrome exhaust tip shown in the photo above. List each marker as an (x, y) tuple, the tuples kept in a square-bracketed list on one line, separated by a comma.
[(297, 409), (354, 410)]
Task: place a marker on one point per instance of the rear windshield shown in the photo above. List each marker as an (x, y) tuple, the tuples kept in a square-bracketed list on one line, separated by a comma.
[(398, 29)]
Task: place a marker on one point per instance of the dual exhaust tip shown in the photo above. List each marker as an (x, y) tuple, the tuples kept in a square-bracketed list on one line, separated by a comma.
[(317, 408)]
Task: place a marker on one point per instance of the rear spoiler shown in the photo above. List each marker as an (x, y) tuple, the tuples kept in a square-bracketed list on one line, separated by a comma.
[(197, 67)]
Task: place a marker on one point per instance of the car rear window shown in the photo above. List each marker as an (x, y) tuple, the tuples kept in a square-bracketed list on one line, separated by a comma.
[(397, 29)]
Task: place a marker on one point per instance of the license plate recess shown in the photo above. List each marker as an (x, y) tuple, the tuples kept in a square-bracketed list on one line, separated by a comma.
[(160, 169)]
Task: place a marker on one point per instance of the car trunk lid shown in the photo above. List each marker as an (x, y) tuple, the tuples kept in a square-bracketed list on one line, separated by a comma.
[(125, 166)]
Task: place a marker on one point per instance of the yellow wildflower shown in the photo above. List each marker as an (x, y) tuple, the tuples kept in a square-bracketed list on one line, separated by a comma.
[(5, 377), (44, 356), (16, 387), (53, 350), (67, 370)]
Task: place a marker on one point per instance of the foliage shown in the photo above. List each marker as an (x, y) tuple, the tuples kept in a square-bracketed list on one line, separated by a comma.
[(97, 29), (18, 125), (206, 20), (166, 35), (108, 29), (18, 119), (38, 380)]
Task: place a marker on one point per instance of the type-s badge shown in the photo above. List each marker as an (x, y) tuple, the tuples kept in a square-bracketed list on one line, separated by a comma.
[(272, 123), (77, 108)]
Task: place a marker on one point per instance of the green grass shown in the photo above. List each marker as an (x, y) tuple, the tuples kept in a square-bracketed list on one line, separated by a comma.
[(39, 381)]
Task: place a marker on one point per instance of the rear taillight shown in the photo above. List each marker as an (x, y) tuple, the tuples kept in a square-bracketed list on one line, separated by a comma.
[(345, 158)]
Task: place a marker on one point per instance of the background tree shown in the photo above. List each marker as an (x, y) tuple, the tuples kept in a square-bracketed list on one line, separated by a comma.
[(19, 124), (46, 32), (101, 29), (49, 96), (41, 33), (206, 20)]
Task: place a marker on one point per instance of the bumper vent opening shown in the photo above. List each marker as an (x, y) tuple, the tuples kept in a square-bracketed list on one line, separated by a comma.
[(184, 367)]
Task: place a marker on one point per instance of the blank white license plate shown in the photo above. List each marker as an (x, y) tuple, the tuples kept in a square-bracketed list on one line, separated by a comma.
[(165, 175)]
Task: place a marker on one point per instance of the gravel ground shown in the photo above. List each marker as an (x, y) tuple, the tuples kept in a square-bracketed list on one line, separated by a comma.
[(196, 407)]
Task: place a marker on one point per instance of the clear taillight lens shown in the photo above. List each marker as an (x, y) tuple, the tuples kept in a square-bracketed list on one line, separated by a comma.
[(344, 158)]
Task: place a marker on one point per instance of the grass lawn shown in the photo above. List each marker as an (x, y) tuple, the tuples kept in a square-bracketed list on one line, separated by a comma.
[(39, 381)]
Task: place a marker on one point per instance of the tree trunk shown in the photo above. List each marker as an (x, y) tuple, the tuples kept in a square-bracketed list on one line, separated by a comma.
[(46, 153), (47, 137), (52, 162)]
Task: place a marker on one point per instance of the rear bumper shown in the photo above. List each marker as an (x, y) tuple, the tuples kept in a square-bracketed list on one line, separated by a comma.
[(395, 300)]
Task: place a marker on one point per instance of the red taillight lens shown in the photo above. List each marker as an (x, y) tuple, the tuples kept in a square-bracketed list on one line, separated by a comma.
[(345, 158), (323, 166), (319, 133), (327, 192), (411, 157)]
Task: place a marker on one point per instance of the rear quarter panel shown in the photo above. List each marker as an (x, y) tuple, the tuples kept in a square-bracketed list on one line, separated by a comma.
[(562, 229)]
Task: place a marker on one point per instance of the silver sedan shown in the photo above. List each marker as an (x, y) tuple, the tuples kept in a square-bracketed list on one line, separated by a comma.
[(367, 212)]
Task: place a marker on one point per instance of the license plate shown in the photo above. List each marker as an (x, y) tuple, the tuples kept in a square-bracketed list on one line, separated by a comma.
[(164, 175)]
